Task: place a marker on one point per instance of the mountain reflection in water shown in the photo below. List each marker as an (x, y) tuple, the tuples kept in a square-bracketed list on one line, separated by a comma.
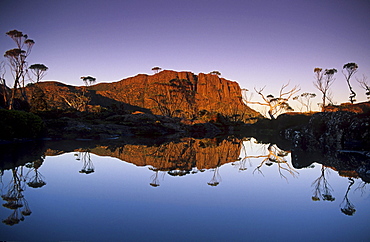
[(210, 159)]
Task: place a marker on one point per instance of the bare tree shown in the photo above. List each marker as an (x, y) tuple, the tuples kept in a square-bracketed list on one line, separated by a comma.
[(351, 69), (365, 85), (278, 104), (76, 100), (324, 79), (17, 60), (304, 100)]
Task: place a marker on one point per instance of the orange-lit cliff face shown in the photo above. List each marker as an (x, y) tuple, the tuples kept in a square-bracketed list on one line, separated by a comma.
[(170, 93), (184, 155), (179, 94)]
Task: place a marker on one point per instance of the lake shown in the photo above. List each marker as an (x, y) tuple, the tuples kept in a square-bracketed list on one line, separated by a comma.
[(188, 190)]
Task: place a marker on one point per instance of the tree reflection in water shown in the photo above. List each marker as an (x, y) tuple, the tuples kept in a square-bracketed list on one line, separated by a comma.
[(275, 156), (36, 180), (346, 206), (155, 177), (241, 162), (88, 166), (216, 178), (322, 188), (14, 198), (362, 187)]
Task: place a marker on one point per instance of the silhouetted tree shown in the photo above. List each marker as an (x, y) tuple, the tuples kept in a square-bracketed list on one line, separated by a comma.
[(156, 69), (17, 61), (365, 85), (351, 69), (324, 79), (88, 80), (215, 73), (278, 104), (304, 100), (38, 100), (39, 70)]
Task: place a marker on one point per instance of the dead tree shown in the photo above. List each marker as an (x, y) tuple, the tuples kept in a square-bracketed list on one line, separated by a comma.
[(278, 104), (324, 79), (365, 85)]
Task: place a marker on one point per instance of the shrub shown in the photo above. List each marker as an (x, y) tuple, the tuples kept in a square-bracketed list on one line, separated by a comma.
[(19, 124)]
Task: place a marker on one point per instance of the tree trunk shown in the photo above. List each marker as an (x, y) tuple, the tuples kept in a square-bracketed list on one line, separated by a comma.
[(271, 115), (12, 97)]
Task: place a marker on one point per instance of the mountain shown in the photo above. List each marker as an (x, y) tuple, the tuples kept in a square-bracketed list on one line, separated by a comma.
[(168, 93)]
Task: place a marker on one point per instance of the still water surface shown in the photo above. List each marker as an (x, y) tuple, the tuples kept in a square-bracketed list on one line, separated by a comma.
[(192, 191)]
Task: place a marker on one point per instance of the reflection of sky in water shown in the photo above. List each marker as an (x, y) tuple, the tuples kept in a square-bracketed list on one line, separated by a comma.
[(117, 203)]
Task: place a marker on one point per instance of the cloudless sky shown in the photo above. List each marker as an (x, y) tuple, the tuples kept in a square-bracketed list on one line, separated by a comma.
[(254, 42)]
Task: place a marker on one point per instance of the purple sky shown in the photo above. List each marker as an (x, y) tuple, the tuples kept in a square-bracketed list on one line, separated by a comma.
[(254, 42)]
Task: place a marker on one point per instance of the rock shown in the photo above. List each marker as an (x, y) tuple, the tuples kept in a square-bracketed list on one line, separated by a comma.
[(327, 131)]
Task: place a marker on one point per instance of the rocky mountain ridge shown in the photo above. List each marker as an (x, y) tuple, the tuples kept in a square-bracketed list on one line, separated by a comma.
[(167, 93)]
